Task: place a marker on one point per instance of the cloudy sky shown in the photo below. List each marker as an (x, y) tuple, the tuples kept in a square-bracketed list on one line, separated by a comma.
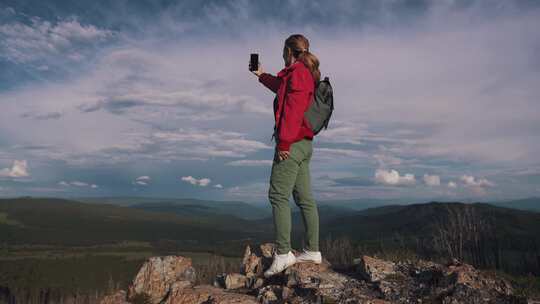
[(434, 99)]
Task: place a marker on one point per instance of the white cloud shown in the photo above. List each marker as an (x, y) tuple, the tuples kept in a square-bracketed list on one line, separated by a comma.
[(469, 180), (393, 178), (164, 146), (476, 185), (203, 182), (210, 143), (142, 180), (338, 153), (18, 169), (43, 39), (218, 186), (250, 162), (343, 132), (452, 184), (78, 184), (432, 180), (184, 103), (465, 61)]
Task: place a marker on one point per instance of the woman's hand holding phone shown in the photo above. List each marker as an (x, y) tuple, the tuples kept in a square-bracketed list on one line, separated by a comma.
[(257, 72)]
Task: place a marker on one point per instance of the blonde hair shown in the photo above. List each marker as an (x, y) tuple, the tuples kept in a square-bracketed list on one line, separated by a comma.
[(298, 45)]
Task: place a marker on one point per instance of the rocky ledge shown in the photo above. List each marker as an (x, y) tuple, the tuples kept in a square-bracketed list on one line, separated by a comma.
[(170, 280)]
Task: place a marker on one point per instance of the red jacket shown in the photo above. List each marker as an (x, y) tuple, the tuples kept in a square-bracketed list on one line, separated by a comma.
[(296, 98)]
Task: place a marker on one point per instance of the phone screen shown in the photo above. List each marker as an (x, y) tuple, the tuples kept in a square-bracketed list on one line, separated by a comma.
[(254, 62)]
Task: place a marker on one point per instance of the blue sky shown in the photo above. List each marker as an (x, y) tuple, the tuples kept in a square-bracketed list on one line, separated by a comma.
[(434, 99)]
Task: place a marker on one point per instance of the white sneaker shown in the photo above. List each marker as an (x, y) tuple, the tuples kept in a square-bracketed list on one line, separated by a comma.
[(280, 263), (309, 256)]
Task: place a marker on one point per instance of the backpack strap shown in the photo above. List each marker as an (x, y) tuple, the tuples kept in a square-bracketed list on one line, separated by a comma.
[(331, 108)]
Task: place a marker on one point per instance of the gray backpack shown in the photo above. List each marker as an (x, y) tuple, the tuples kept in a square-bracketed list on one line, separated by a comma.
[(320, 110)]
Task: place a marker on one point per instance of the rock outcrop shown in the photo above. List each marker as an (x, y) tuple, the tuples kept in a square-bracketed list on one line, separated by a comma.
[(206, 294), (158, 275), (368, 280)]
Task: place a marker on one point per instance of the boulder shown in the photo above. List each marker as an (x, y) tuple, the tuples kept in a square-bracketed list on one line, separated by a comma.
[(206, 294), (235, 281), (274, 294), (268, 250), (375, 270), (251, 263), (467, 275), (158, 274)]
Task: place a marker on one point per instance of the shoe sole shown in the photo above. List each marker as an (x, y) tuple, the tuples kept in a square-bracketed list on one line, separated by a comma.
[(267, 276), (308, 261)]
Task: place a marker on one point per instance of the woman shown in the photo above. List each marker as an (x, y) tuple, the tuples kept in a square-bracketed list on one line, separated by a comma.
[(294, 86)]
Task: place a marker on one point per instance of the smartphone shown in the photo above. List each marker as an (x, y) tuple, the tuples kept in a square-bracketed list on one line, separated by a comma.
[(254, 62)]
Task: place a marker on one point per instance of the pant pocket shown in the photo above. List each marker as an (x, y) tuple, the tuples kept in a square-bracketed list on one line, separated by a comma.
[(296, 152)]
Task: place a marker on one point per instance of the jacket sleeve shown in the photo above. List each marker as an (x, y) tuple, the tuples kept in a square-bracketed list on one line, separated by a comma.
[(297, 101), (270, 81)]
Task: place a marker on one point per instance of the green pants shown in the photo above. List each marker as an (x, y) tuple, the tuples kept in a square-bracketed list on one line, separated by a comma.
[(292, 176)]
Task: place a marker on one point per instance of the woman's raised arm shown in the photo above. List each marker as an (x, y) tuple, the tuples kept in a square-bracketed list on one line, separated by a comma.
[(270, 81)]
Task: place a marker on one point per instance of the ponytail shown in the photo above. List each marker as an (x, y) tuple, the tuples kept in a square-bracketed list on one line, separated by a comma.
[(312, 63), (299, 45)]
